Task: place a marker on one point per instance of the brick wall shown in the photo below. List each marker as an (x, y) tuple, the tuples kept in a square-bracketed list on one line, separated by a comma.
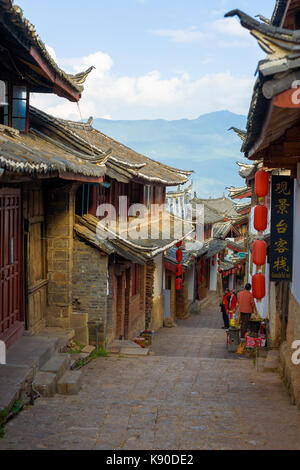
[(89, 287)]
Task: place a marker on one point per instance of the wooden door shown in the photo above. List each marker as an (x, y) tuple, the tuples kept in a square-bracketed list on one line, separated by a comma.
[(35, 257), (11, 316)]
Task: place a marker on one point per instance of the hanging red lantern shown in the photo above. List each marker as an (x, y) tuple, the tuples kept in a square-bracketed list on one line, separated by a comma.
[(219, 262), (178, 284), (223, 274), (202, 279), (179, 270), (179, 244), (219, 270), (261, 183), (179, 256), (259, 252), (219, 256), (259, 286), (260, 218), (213, 262)]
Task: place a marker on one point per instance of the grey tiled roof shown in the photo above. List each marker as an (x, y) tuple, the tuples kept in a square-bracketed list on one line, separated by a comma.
[(276, 73)]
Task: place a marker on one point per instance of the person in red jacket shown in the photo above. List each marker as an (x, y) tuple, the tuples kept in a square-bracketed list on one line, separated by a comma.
[(233, 303), (225, 308), (247, 307)]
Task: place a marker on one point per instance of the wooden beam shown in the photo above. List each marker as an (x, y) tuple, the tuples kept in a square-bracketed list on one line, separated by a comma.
[(273, 165), (81, 178), (59, 87)]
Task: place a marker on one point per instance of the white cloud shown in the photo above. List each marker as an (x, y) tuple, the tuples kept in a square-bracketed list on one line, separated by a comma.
[(230, 27), (148, 96), (218, 29), (191, 34)]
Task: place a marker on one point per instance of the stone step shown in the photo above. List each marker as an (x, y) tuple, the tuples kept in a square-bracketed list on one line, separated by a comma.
[(117, 346), (272, 362), (31, 351), (13, 380), (57, 365), (128, 351), (70, 383), (45, 384)]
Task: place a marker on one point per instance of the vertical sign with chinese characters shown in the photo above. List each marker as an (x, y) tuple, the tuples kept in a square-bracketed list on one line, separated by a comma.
[(282, 226)]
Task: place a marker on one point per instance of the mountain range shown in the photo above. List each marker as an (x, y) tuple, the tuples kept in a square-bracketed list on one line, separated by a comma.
[(203, 145)]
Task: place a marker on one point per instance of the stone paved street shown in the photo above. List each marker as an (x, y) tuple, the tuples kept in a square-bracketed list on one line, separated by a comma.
[(191, 394)]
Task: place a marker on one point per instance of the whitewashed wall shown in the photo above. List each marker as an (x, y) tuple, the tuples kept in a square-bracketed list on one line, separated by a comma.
[(263, 305), (158, 276), (213, 276), (190, 279)]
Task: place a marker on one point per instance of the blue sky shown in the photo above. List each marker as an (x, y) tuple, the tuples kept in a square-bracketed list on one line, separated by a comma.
[(166, 59)]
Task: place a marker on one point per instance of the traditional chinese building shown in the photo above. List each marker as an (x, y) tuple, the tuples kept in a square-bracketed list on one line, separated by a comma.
[(57, 266), (38, 181), (272, 138)]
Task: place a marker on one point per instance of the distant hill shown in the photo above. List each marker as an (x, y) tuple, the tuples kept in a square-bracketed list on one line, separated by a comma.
[(203, 145)]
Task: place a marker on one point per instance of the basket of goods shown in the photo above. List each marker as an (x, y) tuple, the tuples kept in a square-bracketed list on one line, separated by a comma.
[(140, 341), (254, 325)]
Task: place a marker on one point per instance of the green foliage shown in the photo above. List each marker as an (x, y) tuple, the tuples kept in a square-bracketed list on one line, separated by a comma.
[(100, 352), (5, 416)]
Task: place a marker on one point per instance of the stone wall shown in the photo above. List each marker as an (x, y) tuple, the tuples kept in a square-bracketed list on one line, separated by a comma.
[(290, 372), (89, 287), (59, 206)]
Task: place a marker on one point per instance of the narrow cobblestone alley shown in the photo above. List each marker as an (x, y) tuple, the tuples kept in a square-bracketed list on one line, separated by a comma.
[(191, 394)]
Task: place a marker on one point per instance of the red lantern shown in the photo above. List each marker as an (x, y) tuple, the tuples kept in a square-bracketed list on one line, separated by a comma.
[(213, 262), (219, 270), (178, 284), (219, 262), (179, 244), (259, 252), (259, 286), (202, 279), (179, 256), (260, 218), (179, 270), (219, 256), (261, 183)]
